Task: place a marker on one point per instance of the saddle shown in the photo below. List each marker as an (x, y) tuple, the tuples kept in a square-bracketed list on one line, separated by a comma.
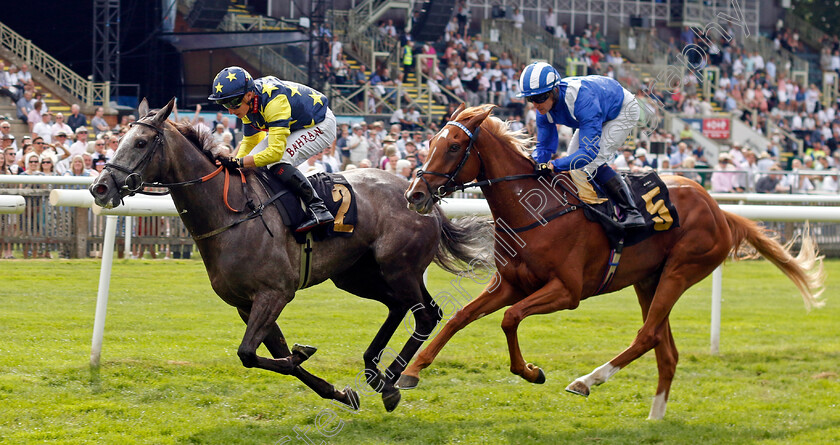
[(652, 199), (333, 189)]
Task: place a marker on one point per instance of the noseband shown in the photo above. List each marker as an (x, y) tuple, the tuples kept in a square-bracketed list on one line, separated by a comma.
[(133, 182), (441, 191)]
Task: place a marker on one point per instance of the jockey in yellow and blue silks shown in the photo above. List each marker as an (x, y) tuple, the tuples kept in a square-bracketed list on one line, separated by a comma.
[(285, 124), (602, 114)]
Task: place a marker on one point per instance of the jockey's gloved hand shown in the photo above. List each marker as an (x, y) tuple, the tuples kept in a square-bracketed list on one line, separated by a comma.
[(545, 168), (230, 162)]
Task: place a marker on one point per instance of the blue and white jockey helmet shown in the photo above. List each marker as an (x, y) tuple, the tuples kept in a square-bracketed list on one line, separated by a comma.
[(537, 78), (231, 82)]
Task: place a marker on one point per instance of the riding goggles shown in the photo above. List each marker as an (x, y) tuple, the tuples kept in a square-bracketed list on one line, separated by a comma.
[(232, 102), (539, 98)]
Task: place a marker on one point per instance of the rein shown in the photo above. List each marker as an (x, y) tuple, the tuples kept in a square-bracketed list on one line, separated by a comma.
[(134, 184), (448, 187)]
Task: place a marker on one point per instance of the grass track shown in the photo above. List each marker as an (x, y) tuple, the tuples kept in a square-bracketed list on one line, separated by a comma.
[(170, 373)]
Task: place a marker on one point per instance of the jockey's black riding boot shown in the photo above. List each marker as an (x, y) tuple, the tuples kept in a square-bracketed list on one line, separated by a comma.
[(619, 192), (295, 180)]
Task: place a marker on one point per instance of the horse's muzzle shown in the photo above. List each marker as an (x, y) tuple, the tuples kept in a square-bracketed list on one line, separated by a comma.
[(105, 191), (418, 200)]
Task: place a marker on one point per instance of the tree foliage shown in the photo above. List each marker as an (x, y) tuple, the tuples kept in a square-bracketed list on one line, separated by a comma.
[(823, 14)]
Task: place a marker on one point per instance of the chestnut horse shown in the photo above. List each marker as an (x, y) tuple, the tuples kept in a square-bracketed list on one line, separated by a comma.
[(547, 262), (255, 265)]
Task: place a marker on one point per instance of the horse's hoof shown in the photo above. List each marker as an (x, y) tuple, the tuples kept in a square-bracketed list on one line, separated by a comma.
[(579, 388), (540, 377), (391, 399), (304, 350), (352, 398), (407, 382)]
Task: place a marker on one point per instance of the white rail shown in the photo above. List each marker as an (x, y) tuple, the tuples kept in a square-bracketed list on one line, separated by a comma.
[(163, 206), (12, 204)]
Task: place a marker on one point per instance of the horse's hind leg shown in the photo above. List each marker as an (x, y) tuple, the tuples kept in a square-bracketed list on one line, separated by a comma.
[(426, 316), (655, 333), (275, 342), (366, 281)]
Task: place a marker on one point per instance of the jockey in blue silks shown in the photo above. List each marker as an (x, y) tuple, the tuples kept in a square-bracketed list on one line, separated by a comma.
[(602, 114)]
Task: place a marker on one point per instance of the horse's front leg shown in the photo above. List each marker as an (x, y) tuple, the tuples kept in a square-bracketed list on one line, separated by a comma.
[(486, 303), (260, 320), (552, 297), (276, 344)]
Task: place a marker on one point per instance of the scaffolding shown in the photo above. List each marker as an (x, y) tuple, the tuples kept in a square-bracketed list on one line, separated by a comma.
[(106, 41)]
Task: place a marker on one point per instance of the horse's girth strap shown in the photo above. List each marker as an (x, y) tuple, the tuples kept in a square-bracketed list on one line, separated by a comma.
[(615, 257), (305, 261)]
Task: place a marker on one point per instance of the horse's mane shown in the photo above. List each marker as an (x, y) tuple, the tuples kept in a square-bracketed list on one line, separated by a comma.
[(520, 140), (198, 136)]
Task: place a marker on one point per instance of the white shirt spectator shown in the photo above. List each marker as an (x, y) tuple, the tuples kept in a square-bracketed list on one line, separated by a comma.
[(358, 146), (397, 117), (758, 61), (812, 96), (518, 18), (413, 116), (737, 67), (56, 127), (335, 51), (43, 129), (830, 184)]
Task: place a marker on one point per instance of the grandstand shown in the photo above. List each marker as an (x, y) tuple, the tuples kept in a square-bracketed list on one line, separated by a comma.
[(713, 74)]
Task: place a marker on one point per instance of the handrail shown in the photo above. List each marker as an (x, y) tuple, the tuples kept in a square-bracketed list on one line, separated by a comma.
[(523, 44), (808, 33), (91, 93), (764, 46), (367, 9), (648, 48), (264, 55)]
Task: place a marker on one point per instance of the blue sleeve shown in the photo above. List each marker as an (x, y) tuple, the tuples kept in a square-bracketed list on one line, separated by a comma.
[(547, 140), (590, 116)]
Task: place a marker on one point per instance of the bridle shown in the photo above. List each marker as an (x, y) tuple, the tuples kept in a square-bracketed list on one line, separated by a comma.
[(134, 183), (441, 191), (451, 185)]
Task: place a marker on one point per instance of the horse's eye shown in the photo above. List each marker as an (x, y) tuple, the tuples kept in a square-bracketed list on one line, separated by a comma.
[(141, 143), (454, 147)]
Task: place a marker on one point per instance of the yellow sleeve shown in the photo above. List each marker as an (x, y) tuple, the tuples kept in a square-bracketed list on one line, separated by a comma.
[(277, 114), (248, 143)]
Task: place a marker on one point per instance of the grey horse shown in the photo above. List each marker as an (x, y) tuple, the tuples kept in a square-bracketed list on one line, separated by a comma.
[(254, 263)]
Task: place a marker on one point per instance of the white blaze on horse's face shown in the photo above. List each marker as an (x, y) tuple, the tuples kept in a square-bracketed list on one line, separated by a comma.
[(443, 133)]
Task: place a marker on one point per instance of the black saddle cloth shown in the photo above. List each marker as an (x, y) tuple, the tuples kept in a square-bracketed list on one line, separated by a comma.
[(652, 200), (333, 189)]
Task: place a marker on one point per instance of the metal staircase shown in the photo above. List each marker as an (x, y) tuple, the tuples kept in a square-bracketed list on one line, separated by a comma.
[(367, 12)]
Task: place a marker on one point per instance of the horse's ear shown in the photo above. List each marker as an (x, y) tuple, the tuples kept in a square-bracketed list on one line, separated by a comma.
[(479, 118), (457, 111), (164, 112), (143, 109)]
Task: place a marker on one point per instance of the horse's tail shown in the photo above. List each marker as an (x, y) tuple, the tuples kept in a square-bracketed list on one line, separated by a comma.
[(805, 269), (464, 243)]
